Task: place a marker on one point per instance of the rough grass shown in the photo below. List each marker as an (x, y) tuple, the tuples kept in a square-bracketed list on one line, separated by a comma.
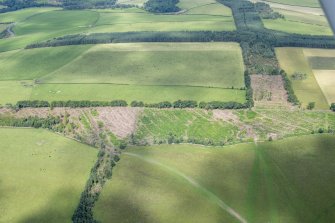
[(187, 64), (263, 183), (148, 94), (293, 60), (42, 175)]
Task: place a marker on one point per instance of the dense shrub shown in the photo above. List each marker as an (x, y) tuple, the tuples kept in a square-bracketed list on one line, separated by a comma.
[(33, 122), (137, 104), (164, 104), (161, 6), (288, 87), (221, 105), (32, 104), (185, 104), (332, 107)]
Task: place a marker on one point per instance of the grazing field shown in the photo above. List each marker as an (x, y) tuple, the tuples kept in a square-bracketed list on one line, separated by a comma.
[(42, 167), (131, 2), (130, 20), (293, 60), (148, 94), (242, 183), (187, 64), (150, 72), (13, 91), (35, 24)]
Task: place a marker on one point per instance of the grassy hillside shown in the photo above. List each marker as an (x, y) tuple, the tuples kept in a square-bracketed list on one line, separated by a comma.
[(293, 60), (187, 64), (42, 175), (151, 72), (260, 183), (35, 24)]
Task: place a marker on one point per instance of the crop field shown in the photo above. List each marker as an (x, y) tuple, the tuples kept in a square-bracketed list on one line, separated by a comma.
[(231, 184), (32, 163), (326, 80), (294, 60), (134, 71)]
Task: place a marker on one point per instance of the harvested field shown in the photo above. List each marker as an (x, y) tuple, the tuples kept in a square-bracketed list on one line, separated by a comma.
[(269, 88), (326, 80)]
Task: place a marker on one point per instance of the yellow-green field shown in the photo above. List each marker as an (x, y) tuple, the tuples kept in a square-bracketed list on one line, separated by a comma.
[(294, 60), (42, 175), (326, 80), (285, 181)]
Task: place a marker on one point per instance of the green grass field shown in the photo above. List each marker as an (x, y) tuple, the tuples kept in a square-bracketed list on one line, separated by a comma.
[(306, 3), (186, 64), (150, 72), (148, 94), (284, 181), (42, 175), (298, 27), (40, 24), (293, 60)]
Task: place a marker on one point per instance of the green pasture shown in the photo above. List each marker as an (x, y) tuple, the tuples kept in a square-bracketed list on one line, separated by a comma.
[(267, 182), (39, 24), (42, 175), (47, 25), (131, 2), (148, 94), (298, 27), (217, 9), (306, 3), (3, 27), (183, 64), (13, 91), (293, 60)]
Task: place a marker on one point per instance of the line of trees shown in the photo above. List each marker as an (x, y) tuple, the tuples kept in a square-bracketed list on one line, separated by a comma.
[(164, 104)]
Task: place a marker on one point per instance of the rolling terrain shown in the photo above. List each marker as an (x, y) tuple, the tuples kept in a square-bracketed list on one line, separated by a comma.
[(32, 164)]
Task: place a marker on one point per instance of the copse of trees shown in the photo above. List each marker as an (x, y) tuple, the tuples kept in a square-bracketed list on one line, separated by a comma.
[(161, 6), (332, 107), (80, 4)]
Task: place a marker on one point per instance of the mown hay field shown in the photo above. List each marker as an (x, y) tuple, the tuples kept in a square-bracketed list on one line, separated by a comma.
[(267, 182), (45, 168)]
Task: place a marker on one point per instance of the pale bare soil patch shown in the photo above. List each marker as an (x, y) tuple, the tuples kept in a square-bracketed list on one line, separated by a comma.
[(120, 121), (269, 90)]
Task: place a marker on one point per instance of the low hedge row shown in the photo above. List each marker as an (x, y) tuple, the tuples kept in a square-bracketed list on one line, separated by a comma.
[(121, 103)]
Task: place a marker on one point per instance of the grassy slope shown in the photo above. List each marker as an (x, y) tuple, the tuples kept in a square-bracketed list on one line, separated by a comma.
[(264, 183), (13, 91), (42, 175), (217, 65), (47, 25), (148, 94), (293, 60)]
